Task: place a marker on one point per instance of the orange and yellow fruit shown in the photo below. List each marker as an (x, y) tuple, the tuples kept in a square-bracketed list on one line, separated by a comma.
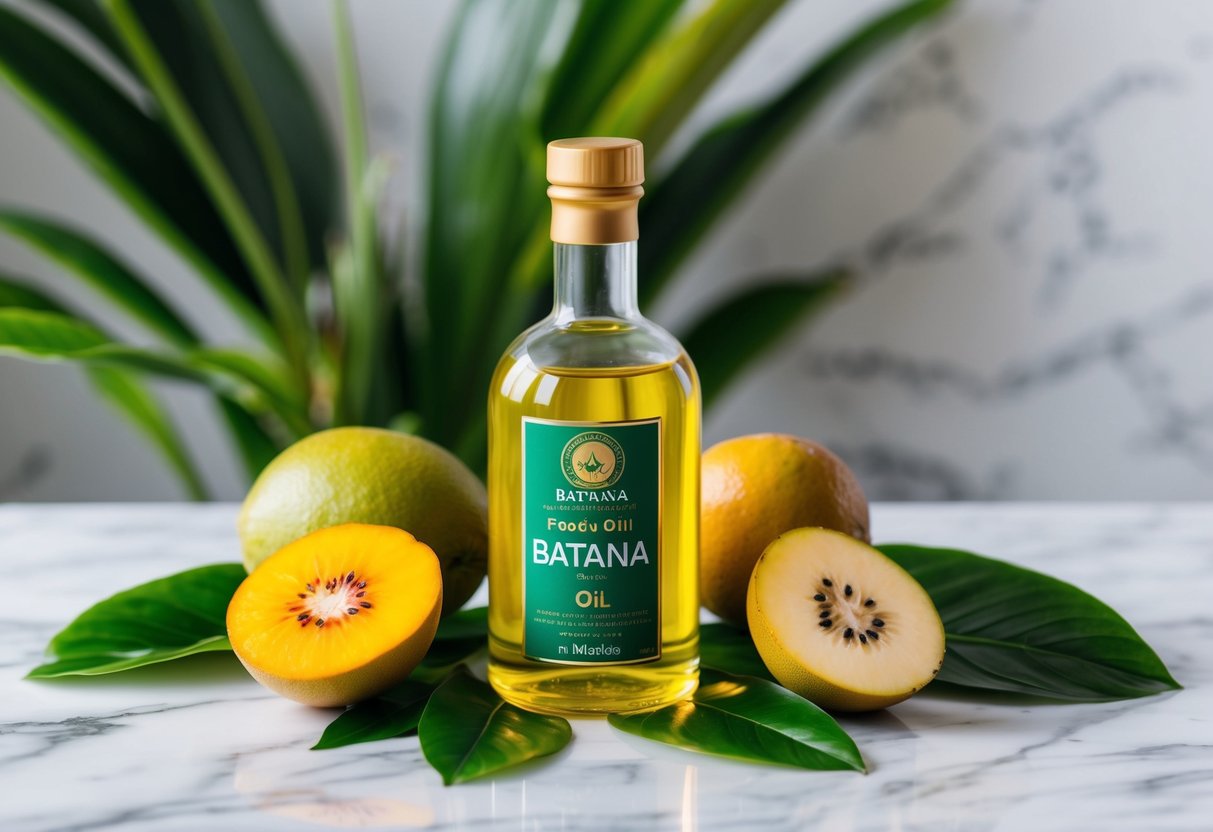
[(375, 476), (339, 615)]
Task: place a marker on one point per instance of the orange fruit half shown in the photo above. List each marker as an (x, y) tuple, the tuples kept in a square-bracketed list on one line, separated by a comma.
[(338, 616)]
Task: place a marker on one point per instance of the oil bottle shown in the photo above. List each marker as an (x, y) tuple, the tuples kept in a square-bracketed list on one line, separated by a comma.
[(594, 447)]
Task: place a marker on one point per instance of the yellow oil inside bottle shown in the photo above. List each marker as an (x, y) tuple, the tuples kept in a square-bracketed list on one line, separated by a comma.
[(667, 391)]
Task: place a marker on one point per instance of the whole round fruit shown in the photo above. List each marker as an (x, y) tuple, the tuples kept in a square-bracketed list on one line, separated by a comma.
[(757, 487), (840, 624), (380, 477), (338, 616)]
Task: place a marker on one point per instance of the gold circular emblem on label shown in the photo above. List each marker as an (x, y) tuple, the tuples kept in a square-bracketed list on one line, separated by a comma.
[(592, 460)]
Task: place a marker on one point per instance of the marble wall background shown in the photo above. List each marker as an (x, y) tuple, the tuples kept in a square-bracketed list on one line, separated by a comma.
[(1028, 189)]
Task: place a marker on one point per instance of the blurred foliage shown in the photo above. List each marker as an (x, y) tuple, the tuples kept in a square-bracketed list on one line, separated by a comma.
[(198, 118)]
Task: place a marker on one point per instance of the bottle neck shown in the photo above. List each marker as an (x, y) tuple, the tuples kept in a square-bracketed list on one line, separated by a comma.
[(595, 281)]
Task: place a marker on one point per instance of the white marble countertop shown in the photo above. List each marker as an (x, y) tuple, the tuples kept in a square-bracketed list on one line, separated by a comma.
[(199, 745)]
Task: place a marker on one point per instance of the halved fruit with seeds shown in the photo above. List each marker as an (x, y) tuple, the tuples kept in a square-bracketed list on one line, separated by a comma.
[(339, 615), (840, 624)]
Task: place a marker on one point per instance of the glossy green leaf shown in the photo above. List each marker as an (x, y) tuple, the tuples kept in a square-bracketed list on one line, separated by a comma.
[(652, 95), (740, 328), (468, 623), (730, 649), (461, 637), (122, 390), (652, 100), (391, 714), (254, 443), (485, 192), (360, 284), (100, 269), (190, 56), (292, 114), (1014, 630), (748, 719), (468, 731), (237, 208), (265, 375), (88, 16), (20, 294), (447, 654), (50, 336), (161, 620), (39, 334), (132, 399), (603, 47), (683, 204), (129, 151)]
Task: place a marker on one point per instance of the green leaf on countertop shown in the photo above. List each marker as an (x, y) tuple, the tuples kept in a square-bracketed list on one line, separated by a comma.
[(728, 648), (467, 623), (391, 714), (748, 719), (161, 620), (446, 655), (1013, 630), (468, 731), (461, 637)]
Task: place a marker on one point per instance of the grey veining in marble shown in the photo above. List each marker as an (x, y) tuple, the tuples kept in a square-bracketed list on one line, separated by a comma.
[(197, 745)]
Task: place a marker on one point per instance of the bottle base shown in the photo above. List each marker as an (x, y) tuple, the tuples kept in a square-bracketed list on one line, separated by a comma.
[(565, 690)]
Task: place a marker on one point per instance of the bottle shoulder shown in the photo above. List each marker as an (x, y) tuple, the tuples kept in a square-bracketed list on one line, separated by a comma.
[(605, 343)]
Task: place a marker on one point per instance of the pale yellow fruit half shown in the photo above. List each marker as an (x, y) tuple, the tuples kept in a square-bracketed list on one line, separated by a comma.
[(840, 624)]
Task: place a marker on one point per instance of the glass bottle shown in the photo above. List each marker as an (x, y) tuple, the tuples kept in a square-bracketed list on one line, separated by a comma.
[(594, 448)]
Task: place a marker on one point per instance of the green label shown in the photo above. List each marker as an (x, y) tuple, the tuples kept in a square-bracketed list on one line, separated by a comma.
[(591, 521)]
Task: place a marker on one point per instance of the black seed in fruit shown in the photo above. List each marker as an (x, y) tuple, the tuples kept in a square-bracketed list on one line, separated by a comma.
[(848, 632), (362, 585), (303, 616), (847, 590), (878, 622), (349, 579), (825, 614), (311, 588), (352, 610), (872, 634), (826, 582), (863, 639), (817, 597), (869, 603), (366, 605), (319, 622), (360, 594), (302, 595)]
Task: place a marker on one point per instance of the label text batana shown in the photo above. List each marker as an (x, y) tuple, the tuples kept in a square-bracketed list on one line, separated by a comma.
[(561, 553)]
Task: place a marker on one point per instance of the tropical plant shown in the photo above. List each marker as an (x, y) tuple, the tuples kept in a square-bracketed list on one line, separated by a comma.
[(197, 116)]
